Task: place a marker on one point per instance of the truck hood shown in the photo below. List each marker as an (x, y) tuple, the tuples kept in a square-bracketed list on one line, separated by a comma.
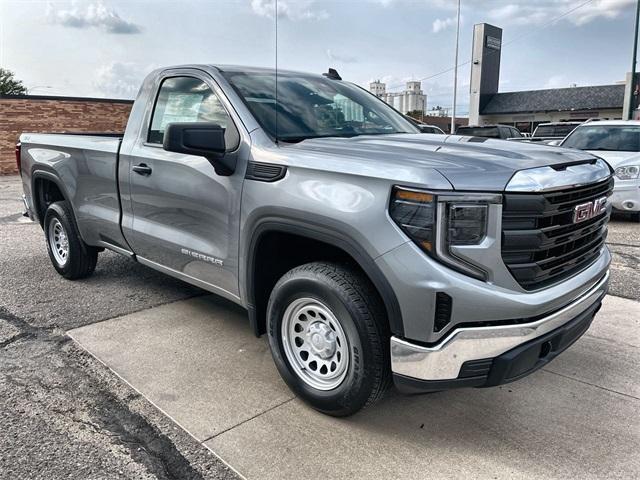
[(468, 163), (614, 158)]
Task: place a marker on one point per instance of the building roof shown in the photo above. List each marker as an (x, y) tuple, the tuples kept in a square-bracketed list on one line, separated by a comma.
[(64, 98), (557, 99)]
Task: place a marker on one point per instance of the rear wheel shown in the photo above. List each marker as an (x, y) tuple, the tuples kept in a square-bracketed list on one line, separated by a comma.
[(70, 256), (329, 337)]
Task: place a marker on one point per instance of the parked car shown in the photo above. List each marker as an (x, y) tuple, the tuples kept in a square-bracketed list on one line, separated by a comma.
[(366, 251), (426, 128), (503, 132), (553, 132), (613, 140), (626, 192)]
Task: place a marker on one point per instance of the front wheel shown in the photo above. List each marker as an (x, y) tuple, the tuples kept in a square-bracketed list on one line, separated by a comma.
[(329, 337), (70, 256)]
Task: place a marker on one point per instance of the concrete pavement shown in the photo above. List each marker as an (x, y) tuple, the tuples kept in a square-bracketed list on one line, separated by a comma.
[(197, 361)]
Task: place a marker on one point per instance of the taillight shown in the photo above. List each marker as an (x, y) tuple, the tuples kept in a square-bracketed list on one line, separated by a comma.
[(18, 160)]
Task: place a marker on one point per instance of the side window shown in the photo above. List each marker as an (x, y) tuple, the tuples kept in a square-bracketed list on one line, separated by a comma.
[(188, 99)]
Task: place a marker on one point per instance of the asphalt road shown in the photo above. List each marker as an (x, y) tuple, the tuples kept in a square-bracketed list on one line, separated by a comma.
[(65, 415), (62, 413)]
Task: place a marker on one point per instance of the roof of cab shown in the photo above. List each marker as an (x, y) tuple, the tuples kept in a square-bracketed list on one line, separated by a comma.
[(263, 70), (618, 123)]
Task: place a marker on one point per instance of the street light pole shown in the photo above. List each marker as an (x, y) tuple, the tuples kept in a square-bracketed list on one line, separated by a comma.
[(455, 74), (633, 63)]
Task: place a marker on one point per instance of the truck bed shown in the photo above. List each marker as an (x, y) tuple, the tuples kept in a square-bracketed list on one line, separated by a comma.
[(87, 165)]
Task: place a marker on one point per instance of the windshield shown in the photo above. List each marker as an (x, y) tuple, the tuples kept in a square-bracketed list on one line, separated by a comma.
[(559, 131), (623, 138), (313, 107), (490, 132)]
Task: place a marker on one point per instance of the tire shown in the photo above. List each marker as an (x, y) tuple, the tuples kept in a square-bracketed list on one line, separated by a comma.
[(70, 256), (336, 316)]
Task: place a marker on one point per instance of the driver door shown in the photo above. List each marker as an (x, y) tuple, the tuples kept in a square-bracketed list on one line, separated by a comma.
[(184, 216)]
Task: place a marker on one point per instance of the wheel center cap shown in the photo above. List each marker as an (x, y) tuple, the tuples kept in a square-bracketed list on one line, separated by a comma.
[(322, 340)]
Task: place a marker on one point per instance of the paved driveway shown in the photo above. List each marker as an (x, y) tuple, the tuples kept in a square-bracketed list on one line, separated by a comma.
[(196, 379), (197, 361)]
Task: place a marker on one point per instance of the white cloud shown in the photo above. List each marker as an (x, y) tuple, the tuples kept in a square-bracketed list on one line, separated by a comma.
[(543, 11), (562, 81), (440, 24), (341, 58), (120, 79), (557, 81), (289, 9), (95, 15), (432, 4), (384, 3)]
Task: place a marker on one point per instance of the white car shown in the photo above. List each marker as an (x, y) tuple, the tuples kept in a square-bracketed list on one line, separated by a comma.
[(626, 192), (617, 142), (613, 140)]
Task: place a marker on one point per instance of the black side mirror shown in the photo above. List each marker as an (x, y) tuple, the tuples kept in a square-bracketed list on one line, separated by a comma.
[(203, 139)]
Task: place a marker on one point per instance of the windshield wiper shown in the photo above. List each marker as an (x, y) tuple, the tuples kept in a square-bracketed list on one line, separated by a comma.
[(300, 138), (607, 150)]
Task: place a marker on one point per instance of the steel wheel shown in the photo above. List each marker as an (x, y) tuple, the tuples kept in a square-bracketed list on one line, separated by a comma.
[(315, 343), (58, 241)]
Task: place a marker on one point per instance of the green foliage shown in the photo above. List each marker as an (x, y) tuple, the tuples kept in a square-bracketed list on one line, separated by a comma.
[(9, 85)]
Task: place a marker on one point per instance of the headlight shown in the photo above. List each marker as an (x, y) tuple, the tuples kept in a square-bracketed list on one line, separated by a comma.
[(627, 173), (442, 223), (466, 224), (415, 214)]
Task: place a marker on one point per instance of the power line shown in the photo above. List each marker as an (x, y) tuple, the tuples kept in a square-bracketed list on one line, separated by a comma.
[(494, 52)]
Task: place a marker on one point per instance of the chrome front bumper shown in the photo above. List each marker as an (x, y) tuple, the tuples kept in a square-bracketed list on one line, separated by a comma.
[(444, 361)]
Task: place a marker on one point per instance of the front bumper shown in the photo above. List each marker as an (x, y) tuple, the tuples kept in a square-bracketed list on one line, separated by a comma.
[(492, 355), (626, 195)]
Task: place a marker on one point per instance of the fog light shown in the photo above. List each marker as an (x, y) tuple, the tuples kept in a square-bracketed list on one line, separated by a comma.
[(442, 315)]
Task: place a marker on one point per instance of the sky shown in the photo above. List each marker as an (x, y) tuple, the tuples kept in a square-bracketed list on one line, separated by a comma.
[(104, 48)]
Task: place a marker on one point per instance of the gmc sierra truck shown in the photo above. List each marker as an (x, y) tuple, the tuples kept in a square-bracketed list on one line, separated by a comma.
[(369, 253)]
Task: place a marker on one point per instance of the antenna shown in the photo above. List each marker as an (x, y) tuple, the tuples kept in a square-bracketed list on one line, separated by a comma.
[(455, 75), (276, 106), (333, 74)]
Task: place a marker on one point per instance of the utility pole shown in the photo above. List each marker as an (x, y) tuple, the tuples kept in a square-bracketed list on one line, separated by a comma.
[(455, 74), (633, 64)]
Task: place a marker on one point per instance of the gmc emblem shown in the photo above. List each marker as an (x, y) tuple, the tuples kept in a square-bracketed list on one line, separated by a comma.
[(588, 210)]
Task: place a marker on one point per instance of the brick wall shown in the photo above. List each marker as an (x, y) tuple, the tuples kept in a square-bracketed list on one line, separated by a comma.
[(40, 114), (443, 122)]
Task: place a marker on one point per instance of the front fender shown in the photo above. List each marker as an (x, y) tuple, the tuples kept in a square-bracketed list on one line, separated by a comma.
[(274, 223)]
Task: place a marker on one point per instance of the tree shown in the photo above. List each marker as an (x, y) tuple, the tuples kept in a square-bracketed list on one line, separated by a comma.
[(417, 114), (9, 85)]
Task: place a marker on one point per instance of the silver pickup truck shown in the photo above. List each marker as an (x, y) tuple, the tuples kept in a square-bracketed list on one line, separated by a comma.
[(367, 251)]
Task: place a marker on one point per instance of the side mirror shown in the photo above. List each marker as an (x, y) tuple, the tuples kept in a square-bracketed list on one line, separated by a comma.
[(554, 143), (202, 139)]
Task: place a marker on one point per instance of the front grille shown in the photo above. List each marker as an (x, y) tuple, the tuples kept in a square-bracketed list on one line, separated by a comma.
[(541, 244)]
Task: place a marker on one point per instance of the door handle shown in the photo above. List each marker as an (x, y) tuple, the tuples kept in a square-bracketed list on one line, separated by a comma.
[(142, 169)]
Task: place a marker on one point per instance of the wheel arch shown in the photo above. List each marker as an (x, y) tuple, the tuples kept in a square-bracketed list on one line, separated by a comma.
[(333, 242), (47, 183)]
